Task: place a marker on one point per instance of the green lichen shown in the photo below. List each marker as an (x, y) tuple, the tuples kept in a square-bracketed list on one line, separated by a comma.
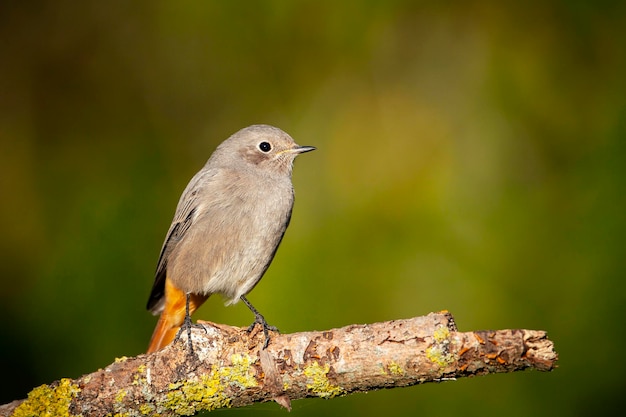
[(209, 391), (439, 351), (48, 400), (395, 369), (319, 383)]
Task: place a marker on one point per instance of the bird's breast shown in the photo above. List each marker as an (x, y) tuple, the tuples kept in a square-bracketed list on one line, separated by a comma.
[(232, 240)]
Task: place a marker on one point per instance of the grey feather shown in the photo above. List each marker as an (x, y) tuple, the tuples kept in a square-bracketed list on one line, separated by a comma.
[(231, 217)]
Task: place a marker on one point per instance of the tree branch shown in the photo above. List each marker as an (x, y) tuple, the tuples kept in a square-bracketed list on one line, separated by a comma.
[(230, 369)]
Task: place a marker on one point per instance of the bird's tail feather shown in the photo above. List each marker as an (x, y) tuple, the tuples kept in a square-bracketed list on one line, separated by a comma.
[(173, 315)]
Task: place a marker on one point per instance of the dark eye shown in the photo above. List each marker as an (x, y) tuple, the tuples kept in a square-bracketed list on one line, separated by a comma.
[(265, 147)]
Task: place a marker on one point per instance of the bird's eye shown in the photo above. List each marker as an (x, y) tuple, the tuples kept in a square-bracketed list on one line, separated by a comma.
[(265, 147)]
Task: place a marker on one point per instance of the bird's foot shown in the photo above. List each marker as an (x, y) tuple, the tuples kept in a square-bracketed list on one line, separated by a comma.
[(259, 319), (187, 325)]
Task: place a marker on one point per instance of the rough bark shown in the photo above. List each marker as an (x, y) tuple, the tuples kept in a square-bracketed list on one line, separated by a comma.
[(230, 369)]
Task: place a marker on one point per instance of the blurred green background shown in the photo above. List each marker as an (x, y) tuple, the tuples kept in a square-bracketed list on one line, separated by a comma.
[(471, 157)]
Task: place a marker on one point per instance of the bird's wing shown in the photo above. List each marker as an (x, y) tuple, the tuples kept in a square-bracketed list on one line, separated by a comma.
[(183, 219)]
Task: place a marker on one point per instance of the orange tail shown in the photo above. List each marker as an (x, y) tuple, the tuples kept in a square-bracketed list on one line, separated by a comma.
[(173, 315)]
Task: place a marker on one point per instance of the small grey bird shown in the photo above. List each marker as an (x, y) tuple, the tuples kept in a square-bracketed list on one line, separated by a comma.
[(227, 227)]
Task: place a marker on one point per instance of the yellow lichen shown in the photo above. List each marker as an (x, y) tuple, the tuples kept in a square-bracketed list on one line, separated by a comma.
[(146, 409), (48, 401), (122, 359), (120, 396), (187, 398), (208, 392), (137, 378), (439, 356), (240, 372), (439, 351), (319, 383), (441, 334), (395, 369)]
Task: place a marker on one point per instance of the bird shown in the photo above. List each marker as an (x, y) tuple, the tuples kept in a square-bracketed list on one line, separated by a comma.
[(227, 227)]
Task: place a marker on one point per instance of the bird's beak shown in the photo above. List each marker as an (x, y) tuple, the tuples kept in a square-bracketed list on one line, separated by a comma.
[(302, 149), (297, 150)]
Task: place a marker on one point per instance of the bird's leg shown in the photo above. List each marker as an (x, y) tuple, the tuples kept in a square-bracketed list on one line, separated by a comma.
[(258, 318), (187, 325)]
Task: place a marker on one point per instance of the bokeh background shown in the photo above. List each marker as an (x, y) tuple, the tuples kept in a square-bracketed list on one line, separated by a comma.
[(471, 157)]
